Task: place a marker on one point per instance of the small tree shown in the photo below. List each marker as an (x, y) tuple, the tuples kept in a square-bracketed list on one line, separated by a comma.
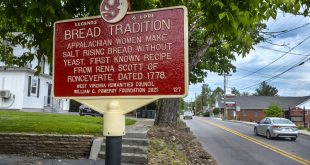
[(216, 111), (273, 111), (235, 91), (266, 90)]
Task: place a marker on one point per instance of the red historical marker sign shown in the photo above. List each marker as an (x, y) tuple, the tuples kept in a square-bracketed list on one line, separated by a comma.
[(144, 55)]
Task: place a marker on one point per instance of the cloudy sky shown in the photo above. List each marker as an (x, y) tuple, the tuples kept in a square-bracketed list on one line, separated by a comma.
[(281, 66)]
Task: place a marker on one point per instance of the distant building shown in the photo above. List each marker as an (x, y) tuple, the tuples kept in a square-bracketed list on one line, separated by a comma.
[(20, 89), (250, 108)]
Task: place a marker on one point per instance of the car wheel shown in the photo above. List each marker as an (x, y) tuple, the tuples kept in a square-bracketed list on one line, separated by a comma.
[(293, 139), (268, 135), (255, 131)]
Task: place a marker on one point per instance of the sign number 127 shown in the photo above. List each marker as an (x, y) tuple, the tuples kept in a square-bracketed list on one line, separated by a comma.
[(176, 89)]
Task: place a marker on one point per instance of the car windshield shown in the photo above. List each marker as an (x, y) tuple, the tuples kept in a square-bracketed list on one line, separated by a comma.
[(281, 121), (187, 113)]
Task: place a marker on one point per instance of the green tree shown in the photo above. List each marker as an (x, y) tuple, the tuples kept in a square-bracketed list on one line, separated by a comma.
[(216, 94), (34, 20), (266, 90), (216, 111), (204, 99), (235, 91), (182, 105), (218, 31), (245, 94), (207, 94), (74, 106), (273, 111)]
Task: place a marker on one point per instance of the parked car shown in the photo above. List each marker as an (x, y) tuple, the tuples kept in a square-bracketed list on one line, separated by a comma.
[(187, 115), (276, 127), (84, 110)]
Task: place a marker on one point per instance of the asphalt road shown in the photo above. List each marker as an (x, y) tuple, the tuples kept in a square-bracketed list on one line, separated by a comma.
[(235, 144)]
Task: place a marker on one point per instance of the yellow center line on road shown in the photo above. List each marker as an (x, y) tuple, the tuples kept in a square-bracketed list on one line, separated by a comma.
[(268, 146)]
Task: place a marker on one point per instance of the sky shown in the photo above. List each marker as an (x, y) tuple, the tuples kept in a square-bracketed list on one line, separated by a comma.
[(280, 66)]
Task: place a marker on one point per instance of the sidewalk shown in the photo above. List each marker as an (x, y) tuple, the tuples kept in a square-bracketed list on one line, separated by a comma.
[(303, 132), (25, 160), (142, 125)]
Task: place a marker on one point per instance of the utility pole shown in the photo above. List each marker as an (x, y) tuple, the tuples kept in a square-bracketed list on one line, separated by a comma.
[(225, 87), (305, 117), (202, 96), (195, 109), (190, 105), (225, 109)]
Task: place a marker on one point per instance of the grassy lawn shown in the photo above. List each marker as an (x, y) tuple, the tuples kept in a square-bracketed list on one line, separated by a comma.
[(42, 123)]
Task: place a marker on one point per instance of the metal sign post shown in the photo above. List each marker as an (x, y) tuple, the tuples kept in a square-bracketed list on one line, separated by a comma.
[(115, 64), (114, 132)]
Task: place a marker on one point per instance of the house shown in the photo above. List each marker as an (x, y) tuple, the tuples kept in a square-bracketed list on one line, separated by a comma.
[(20, 89), (250, 108)]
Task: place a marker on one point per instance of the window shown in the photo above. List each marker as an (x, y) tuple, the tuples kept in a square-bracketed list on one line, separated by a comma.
[(244, 113), (263, 120), (282, 121), (307, 112), (256, 113), (297, 119), (34, 86)]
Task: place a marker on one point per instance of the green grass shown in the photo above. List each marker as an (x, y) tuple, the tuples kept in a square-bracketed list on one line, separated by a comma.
[(303, 128), (42, 123)]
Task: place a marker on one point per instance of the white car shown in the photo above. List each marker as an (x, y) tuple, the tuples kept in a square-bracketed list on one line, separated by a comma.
[(276, 127), (187, 115)]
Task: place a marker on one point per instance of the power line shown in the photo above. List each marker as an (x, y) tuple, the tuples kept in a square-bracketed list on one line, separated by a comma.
[(302, 62), (276, 50), (275, 59), (285, 53), (261, 74), (285, 31)]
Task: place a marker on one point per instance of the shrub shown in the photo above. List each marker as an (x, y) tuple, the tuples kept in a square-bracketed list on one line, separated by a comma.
[(273, 111), (300, 127), (206, 114), (216, 111), (74, 106)]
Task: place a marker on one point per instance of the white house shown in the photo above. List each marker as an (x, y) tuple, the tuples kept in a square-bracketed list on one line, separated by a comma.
[(20, 89)]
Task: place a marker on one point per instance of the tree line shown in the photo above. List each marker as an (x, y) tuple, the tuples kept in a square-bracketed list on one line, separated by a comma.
[(207, 97)]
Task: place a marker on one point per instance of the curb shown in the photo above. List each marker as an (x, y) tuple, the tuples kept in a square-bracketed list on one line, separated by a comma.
[(303, 132)]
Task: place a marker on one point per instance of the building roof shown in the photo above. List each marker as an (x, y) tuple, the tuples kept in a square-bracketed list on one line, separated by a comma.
[(21, 69), (262, 102)]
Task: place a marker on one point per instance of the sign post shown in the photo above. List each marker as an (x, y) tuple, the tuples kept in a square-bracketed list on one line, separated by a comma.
[(116, 64)]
